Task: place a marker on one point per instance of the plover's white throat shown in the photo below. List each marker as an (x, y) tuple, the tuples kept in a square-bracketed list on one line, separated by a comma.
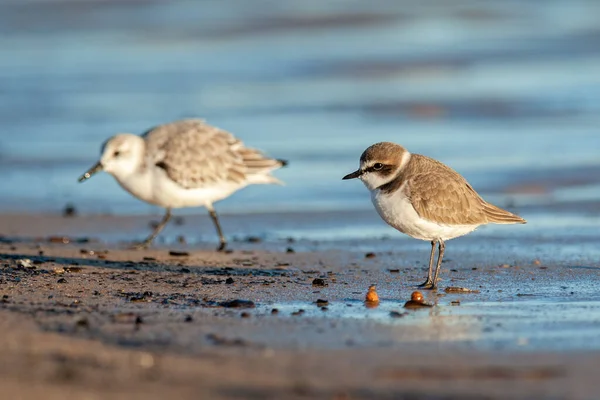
[(424, 198), (185, 163)]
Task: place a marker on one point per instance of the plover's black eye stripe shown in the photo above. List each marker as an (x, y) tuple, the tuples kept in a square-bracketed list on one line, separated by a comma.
[(384, 169)]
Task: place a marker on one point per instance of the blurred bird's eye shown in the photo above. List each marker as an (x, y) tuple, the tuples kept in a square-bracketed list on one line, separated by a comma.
[(377, 166), (116, 153)]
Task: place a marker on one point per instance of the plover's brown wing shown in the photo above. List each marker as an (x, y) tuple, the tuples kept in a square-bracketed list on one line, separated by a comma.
[(195, 154), (440, 194)]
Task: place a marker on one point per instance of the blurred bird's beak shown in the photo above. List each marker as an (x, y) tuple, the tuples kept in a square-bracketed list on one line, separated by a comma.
[(97, 167), (353, 175)]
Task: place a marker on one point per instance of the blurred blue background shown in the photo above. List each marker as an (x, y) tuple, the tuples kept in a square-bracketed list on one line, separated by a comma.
[(507, 93)]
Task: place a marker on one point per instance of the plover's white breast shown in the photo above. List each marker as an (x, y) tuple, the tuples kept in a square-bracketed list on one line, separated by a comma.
[(397, 211)]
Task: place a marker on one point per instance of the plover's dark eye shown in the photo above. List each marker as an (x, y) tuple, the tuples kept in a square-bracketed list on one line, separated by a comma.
[(116, 153), (377, 166)]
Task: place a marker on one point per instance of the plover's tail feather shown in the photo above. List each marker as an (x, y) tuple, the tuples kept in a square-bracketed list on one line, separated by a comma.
[(497, 215)]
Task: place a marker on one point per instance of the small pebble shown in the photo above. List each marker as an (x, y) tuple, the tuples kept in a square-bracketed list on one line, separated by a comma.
[(69, 211), (24, 263), (178, 253), (416, 301), (82, 323), (372, 296), (237, 303), (456, 289), (229, 281), (416, 296), (319, 282), (59, 239), (370, 255)]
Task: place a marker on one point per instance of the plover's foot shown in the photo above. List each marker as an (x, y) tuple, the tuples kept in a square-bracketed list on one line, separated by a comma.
[(428, 285)]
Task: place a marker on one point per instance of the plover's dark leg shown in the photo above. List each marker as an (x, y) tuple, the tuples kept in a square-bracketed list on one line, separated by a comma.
[(442, 247), (215, 218), (429, 282), (156, 231)]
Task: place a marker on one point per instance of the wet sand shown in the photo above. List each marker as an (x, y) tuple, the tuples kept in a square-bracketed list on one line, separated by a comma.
[(92, 319)]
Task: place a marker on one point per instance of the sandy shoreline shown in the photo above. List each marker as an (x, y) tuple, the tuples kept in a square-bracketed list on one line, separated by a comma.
[(91, 318)]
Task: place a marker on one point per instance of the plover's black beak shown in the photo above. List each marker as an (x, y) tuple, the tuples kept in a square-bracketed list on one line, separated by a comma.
[(353, 175), (97, 167)]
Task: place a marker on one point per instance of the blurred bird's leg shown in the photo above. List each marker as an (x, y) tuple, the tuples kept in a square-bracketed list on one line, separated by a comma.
[(215, 218), (156, 231)]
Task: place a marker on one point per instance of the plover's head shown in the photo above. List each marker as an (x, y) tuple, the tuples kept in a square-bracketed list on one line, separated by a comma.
[(121, 156), (380, 163)]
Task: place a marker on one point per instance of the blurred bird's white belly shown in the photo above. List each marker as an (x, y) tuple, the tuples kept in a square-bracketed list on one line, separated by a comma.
[(397, 211), (155, 187)]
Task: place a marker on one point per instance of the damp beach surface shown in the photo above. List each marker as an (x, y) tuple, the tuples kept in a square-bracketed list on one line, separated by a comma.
[(506, 93), (274, 316)]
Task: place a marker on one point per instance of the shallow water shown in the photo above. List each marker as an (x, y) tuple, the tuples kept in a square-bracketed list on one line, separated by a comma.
[(506, 93), (523, 325)]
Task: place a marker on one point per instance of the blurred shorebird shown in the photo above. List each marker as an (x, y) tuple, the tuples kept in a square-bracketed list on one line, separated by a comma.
[(185, 163), (424, 198)]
